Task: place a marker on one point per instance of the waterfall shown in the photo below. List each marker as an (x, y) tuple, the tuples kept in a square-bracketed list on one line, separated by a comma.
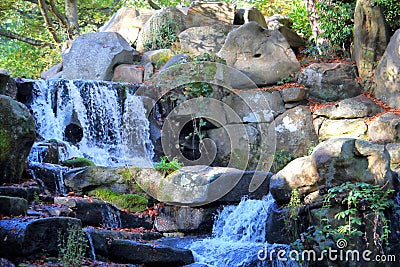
[(88, 117), (88, 230), (239, 234)]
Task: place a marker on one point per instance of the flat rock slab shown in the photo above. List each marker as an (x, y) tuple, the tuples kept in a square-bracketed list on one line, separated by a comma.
[(128, 251), (27, 193), (351, 108), (101, 238)]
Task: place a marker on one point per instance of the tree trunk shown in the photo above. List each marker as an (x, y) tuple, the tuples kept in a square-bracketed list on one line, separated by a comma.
[(312, 14), (71, 11)]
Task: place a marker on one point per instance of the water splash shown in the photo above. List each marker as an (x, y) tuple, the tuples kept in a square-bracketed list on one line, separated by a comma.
[(239, 233), (51, 176), (88, 117)]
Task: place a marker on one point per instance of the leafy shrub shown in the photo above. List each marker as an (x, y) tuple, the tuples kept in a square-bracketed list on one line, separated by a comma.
[(391, 10), (73, 246), (298, 13), (336, 19), (168, 167), (161, 36), (281, 159), (130, 202)]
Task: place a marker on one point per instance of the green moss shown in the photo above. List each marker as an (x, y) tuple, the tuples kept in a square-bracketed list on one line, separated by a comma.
[(131, 202), (4, 144), (78, 162)]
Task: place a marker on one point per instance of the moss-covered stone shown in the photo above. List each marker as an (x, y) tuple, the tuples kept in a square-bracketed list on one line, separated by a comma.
[(131, 202), (17, 134), (78, 162)]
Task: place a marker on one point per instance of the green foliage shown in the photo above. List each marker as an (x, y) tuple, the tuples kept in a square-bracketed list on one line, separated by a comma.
[(284, 80), (130, 202), (72, 246), (167, 167), (298, 13), (207, 57), (36, 199), (163, 35), (281, 159), (78, 162), (290, 219), (391, 10), (357, 202), (359, 199), (336, 19)]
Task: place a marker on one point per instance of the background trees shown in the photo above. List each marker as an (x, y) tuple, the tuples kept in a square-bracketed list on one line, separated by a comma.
[(32, 31)]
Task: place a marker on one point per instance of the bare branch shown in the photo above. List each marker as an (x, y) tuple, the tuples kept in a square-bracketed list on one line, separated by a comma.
[(15, 36), (153, 5), (47, 19)]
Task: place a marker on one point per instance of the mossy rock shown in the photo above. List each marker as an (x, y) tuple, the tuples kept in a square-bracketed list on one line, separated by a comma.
[(130, 202), (78, 162), (17, 134)]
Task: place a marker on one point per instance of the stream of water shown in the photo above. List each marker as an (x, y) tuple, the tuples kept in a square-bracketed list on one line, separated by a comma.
[(238, 237)]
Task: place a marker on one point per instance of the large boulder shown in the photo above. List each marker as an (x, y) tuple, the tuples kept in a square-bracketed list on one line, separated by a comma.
[(17, 134), (210, 13), (155, 28), (263, 55), (330, 81), (128, 251), (93, 56), (332, 163), (123, 22), (295, 131), (371, 37), (205, 39), (8, 86), (27, 236), (385, 128), (199, 185), (387, 74)]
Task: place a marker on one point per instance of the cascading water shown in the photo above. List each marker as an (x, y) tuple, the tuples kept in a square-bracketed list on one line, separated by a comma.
[(239, 234), (88, 117)]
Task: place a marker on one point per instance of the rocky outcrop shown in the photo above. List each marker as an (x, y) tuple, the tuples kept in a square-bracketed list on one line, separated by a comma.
[(128, 251), (330, 81), (93, 56), (250, 48), (346, 128), (123, 22), (17, 134), (388, 72), (209, 13), (332, 163), (371, 37), (204, 39)]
